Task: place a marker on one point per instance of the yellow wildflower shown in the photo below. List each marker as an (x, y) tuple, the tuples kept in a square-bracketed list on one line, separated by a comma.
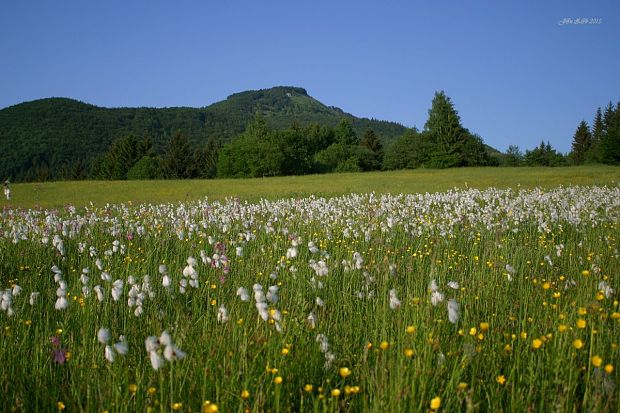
[(344, 372)]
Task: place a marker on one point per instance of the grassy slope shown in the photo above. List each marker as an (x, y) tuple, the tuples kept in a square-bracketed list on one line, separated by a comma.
[(56, 194)]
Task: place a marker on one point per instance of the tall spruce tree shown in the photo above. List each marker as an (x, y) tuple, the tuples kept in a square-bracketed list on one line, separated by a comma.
[(176, 161), (124, 153), (597, 126), (445, 131), (608, 116), (212, 153), (610, 142), (371, 142), (582, 142)]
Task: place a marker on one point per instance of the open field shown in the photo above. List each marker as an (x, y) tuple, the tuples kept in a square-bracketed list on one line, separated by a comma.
[(468, 300), (57, 194)]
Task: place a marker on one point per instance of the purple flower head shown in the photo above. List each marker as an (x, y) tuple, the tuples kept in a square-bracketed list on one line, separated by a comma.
[(220, 248), (59, 355), (55, 340)]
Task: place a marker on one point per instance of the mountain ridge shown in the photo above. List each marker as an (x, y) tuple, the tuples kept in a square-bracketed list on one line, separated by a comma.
[(58, 132)]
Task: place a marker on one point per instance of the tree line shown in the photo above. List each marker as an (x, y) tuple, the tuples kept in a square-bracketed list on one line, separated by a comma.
[(599, 143), (262, 151)]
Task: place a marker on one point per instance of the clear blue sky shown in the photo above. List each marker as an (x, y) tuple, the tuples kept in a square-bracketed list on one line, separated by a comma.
[(514, 73)]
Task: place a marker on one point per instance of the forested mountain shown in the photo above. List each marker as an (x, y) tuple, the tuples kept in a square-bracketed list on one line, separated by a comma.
[(59, 138)]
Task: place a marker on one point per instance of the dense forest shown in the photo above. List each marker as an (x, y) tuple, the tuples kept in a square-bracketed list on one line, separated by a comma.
[(60, 138), (278, 131)]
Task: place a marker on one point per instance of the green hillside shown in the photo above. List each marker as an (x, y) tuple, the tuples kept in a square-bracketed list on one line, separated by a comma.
[(50, 136)]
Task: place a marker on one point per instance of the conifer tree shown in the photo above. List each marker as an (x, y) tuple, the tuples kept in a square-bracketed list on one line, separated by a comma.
[(597, 126), (371, 141), (212, 153), (610, 142), (582, 142), (177, 158), (445, 131)]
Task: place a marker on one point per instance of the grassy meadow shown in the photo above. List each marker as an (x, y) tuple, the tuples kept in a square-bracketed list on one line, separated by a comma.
[(499, 295), (81, 193)]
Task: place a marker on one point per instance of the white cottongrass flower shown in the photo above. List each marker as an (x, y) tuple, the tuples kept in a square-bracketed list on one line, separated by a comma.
[(312, 247), (109, 353), (165, 339), (319, 302), (6, 300), (121, 347), (291, 253), (16, 290), (272, 294), (103, 335), (453, 311), (33, 297), (156, 360), (320, 267), (261, 307), (394, 301), (182, 285), (172, 353), (222, 315), (454, 285), (239, 251), (358, 259), (100, 292), (190, 271), (436, 297), (323, 342), (61, 303), (151, 343), (106, 277), (311, 320), (605, 289), (329, 360), (432, 286), (117, 289), (259, 295), (243, 295)]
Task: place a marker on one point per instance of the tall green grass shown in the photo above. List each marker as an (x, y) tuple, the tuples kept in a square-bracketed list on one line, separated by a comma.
[(99, 193), (512, 349)]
